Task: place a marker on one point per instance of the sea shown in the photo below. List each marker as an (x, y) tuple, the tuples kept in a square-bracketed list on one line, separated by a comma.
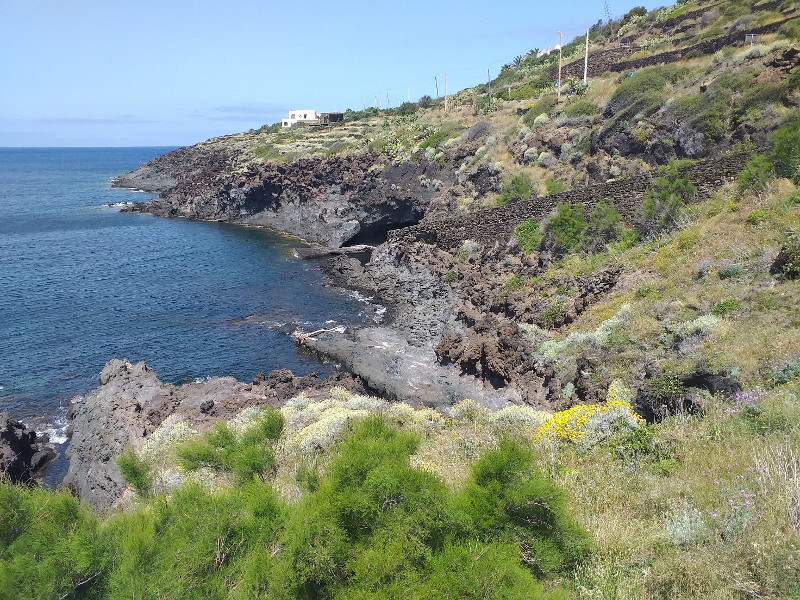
[(82, 283)]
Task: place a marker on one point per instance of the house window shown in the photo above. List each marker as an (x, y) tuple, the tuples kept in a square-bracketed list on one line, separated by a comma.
[(292, 117), (305, 116)]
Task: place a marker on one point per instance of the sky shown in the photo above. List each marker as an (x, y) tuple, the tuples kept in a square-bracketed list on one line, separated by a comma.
[(174, 72)]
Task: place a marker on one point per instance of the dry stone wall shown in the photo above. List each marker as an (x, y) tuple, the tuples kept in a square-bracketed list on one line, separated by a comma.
[(491, 226), (707, 47), (599, 63)]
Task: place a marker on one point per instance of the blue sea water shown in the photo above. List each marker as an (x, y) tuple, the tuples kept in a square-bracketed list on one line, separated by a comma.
[(82, 283)]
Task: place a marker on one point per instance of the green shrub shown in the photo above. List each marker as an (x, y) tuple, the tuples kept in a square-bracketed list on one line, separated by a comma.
[(507, 501), (757, 216), (604, 225), (529, 235), (723, 307), (637, 447), (554, 186), (568, 226), (756, 173), (370, 527), (51, 546), (442, 134), (542, 107), (523, 92), (664, 201), (581, 108), (246, 456), (425, 101), (786, 150), (645, 289), (451, 276), (552, 314), (406, 108), (470, 570), (195, 543), (520, 188), (514, 283), (790, 30), (375, 527), (136, 472), (352, 115), (666, 387), (758, 95), (636, 11), (642, 92), (730, 272)]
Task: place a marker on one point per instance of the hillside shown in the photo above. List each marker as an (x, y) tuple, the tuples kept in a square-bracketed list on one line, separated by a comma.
[(586, 382)]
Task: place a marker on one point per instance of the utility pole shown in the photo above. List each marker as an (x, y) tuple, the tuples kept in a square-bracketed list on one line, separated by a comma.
[(436, 81), (586, 59), (445, 91), (410, 91), (388, 101), (560, 43), (489, 79)]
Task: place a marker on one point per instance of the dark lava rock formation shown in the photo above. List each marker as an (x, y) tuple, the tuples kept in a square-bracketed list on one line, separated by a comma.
[(354, 199), (21, 454), (131, 402)]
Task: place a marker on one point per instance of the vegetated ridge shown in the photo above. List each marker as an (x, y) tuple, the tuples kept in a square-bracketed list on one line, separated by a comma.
[(612, 282)]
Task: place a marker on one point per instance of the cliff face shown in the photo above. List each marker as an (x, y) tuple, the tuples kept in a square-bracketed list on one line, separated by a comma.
[(329, 201)]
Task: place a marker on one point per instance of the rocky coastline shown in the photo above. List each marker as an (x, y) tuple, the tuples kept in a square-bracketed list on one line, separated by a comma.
[(451, 329)]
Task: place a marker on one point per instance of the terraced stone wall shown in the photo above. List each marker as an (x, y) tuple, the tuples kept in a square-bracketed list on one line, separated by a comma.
[(496, 225), (706, 47)]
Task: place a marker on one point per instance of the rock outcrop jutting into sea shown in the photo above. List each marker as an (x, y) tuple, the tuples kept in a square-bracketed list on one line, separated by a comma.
[(350, 200), (131, 402)]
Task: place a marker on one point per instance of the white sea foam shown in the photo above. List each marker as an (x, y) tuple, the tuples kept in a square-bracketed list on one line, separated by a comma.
[(116, 205), (360, 297), (202, 379), (55, 428), (380, 310)]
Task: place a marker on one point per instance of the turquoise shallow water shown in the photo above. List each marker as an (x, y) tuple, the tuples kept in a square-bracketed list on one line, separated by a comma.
[(81, 283)]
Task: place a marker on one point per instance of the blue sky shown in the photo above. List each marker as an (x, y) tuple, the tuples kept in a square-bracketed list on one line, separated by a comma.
[(174, 72)]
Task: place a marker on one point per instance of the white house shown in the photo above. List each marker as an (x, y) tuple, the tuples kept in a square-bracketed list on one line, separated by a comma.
[(548, 50), (301, 116)]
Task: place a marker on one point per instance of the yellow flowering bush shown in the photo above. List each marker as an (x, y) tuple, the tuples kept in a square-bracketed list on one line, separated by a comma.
[(591, 423), (617, 392)]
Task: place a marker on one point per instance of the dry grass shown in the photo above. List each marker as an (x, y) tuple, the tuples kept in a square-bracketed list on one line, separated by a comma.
[(742, 540)]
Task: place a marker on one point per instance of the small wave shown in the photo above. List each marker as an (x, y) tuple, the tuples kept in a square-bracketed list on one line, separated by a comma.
[(55, 428), (359, 296), (117, 205), (202, 379)]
